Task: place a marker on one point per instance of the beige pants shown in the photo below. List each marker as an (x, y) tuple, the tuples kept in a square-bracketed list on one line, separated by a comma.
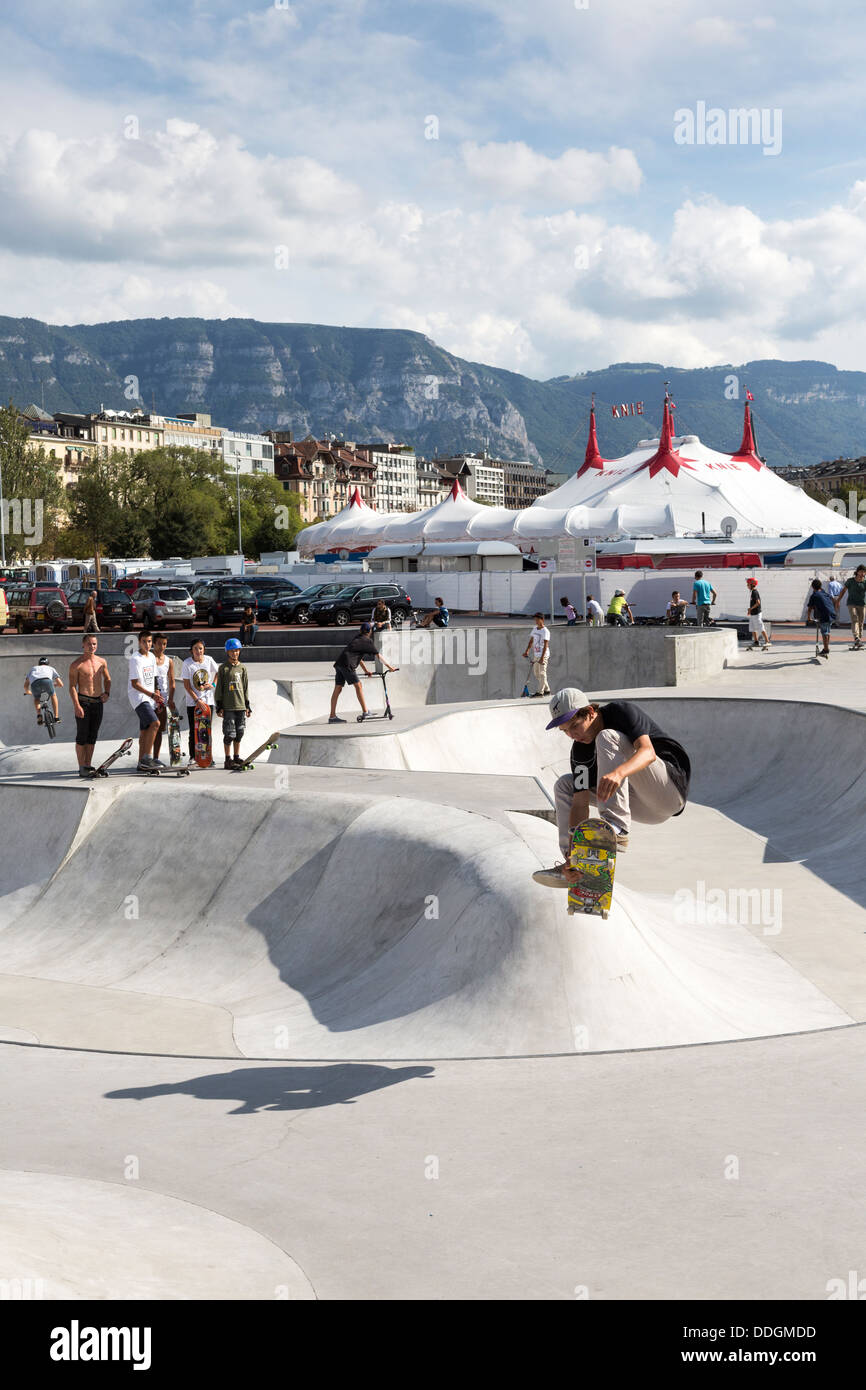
[(649, 795), (856, 614), (539, 670)]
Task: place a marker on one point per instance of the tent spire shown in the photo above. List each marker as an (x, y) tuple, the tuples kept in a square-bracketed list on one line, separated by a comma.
[(748, 450), (666, 458), (592, 457)]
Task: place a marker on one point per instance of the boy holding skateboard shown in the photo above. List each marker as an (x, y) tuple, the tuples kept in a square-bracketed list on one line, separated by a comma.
[(232, 703), (144, 699), (165, 686), (621, 760), (822, 609), (198, 674)]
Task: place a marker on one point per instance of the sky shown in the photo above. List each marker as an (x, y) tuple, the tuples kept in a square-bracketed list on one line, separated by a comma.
[(547, 187)]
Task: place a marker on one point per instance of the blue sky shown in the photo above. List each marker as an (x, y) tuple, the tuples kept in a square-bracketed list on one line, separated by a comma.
[(276, 162)]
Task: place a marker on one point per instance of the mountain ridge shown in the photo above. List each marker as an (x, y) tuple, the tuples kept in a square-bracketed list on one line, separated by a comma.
[(398, 384)]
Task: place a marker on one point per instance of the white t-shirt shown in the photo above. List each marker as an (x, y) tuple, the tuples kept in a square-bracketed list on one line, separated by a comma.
[(162, 676), (207, 670), (675, 607), (42, 673), (540, 635), (595, 608), (142, 669)]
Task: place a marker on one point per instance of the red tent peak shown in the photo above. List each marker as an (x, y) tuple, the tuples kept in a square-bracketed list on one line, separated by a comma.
[(748, 450), (456, 490), (592, 458), (666, 458), (356, 500)]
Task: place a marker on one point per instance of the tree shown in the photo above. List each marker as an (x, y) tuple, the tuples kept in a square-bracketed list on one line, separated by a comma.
[(31, 485), (95, 509)]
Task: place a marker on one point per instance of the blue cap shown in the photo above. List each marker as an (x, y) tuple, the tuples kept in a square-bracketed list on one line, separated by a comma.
[(233, 645), (366, 627)]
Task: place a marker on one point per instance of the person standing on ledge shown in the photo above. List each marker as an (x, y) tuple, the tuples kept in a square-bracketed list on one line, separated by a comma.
[(539, 641), (346, 669), (756, 622), (855, 588), (620, 760), (703, 597)]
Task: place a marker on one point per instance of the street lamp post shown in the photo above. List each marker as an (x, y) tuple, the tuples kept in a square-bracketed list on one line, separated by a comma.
[(2, 518), (238, 482)]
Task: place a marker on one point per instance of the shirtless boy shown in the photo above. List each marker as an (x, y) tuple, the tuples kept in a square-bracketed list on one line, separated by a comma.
[(90, 687)]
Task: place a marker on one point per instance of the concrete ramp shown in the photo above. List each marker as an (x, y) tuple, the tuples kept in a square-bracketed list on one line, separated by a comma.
[(351, 926)]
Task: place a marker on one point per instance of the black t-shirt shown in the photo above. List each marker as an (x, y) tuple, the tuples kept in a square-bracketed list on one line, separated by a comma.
[(358, 648), (755, 603), (632, 721)]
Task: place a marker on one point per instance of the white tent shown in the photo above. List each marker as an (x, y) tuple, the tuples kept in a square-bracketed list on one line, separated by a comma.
[(671, 486), (355, 527)]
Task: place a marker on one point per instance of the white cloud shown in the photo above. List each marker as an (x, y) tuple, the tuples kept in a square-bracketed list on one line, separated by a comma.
[(513, 171)]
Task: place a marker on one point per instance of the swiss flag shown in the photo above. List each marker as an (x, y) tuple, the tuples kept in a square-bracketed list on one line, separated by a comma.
[(749, 396)]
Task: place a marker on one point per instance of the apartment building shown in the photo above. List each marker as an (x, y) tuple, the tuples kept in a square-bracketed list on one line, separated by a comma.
[(481, 477), (323, 472), (432, 484), (246, 453), (192, 429), (396, 473)]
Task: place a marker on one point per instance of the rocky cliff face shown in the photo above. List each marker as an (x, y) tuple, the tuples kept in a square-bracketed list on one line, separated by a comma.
[(388, 384)]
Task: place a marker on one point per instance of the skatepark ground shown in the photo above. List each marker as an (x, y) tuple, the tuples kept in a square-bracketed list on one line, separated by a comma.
[(313, 1032)]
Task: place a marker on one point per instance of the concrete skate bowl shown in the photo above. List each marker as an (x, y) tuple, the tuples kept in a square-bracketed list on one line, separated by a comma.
[(197, 920)]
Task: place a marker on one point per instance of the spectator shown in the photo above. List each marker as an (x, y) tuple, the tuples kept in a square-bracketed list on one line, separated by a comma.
[(756, 622), (821, 607), (232, 695), (90, 623), (198, 674), (539, 642), (249, 627), (440, 617), (570, 613), (703, 596), (594, 611), (855, 588), (616, 610), (676, 609)]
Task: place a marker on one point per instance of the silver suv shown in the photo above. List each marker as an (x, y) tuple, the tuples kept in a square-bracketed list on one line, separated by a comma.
[(159, 604)]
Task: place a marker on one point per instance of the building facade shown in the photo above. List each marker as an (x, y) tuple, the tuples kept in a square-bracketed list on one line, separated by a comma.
[(247, 453), (323, 472), (396, 474)]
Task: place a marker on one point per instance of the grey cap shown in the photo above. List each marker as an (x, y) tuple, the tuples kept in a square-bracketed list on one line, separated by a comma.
[(565, 704)]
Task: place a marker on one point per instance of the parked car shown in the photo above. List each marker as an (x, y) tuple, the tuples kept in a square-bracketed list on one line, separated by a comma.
[(295, 608), (113, 608), (272, 581), (356, 602), (160, 604), (266, 598), (129, 584), (37, 607), (223, 603)]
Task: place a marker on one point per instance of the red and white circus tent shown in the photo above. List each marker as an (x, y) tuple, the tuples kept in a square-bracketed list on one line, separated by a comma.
[(355, 527), (670, 486)]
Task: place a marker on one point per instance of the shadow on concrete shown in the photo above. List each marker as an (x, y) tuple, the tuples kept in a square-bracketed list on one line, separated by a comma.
[(282, 1087)]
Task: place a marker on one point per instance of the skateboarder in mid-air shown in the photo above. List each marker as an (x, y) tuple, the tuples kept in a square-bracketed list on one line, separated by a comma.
[(232, 703), (622, 761)]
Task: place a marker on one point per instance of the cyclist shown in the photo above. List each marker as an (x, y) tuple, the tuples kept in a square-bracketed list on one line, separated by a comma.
[(41, 680)]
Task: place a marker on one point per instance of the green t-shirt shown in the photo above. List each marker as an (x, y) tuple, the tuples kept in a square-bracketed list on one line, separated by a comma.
[(855, 590), (231, 690), (615, 605)]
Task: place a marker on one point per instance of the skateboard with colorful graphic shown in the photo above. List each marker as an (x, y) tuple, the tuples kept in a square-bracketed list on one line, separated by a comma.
[(593, 854), (249, 763), (102, 770), (202, 726), (173, 720)]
